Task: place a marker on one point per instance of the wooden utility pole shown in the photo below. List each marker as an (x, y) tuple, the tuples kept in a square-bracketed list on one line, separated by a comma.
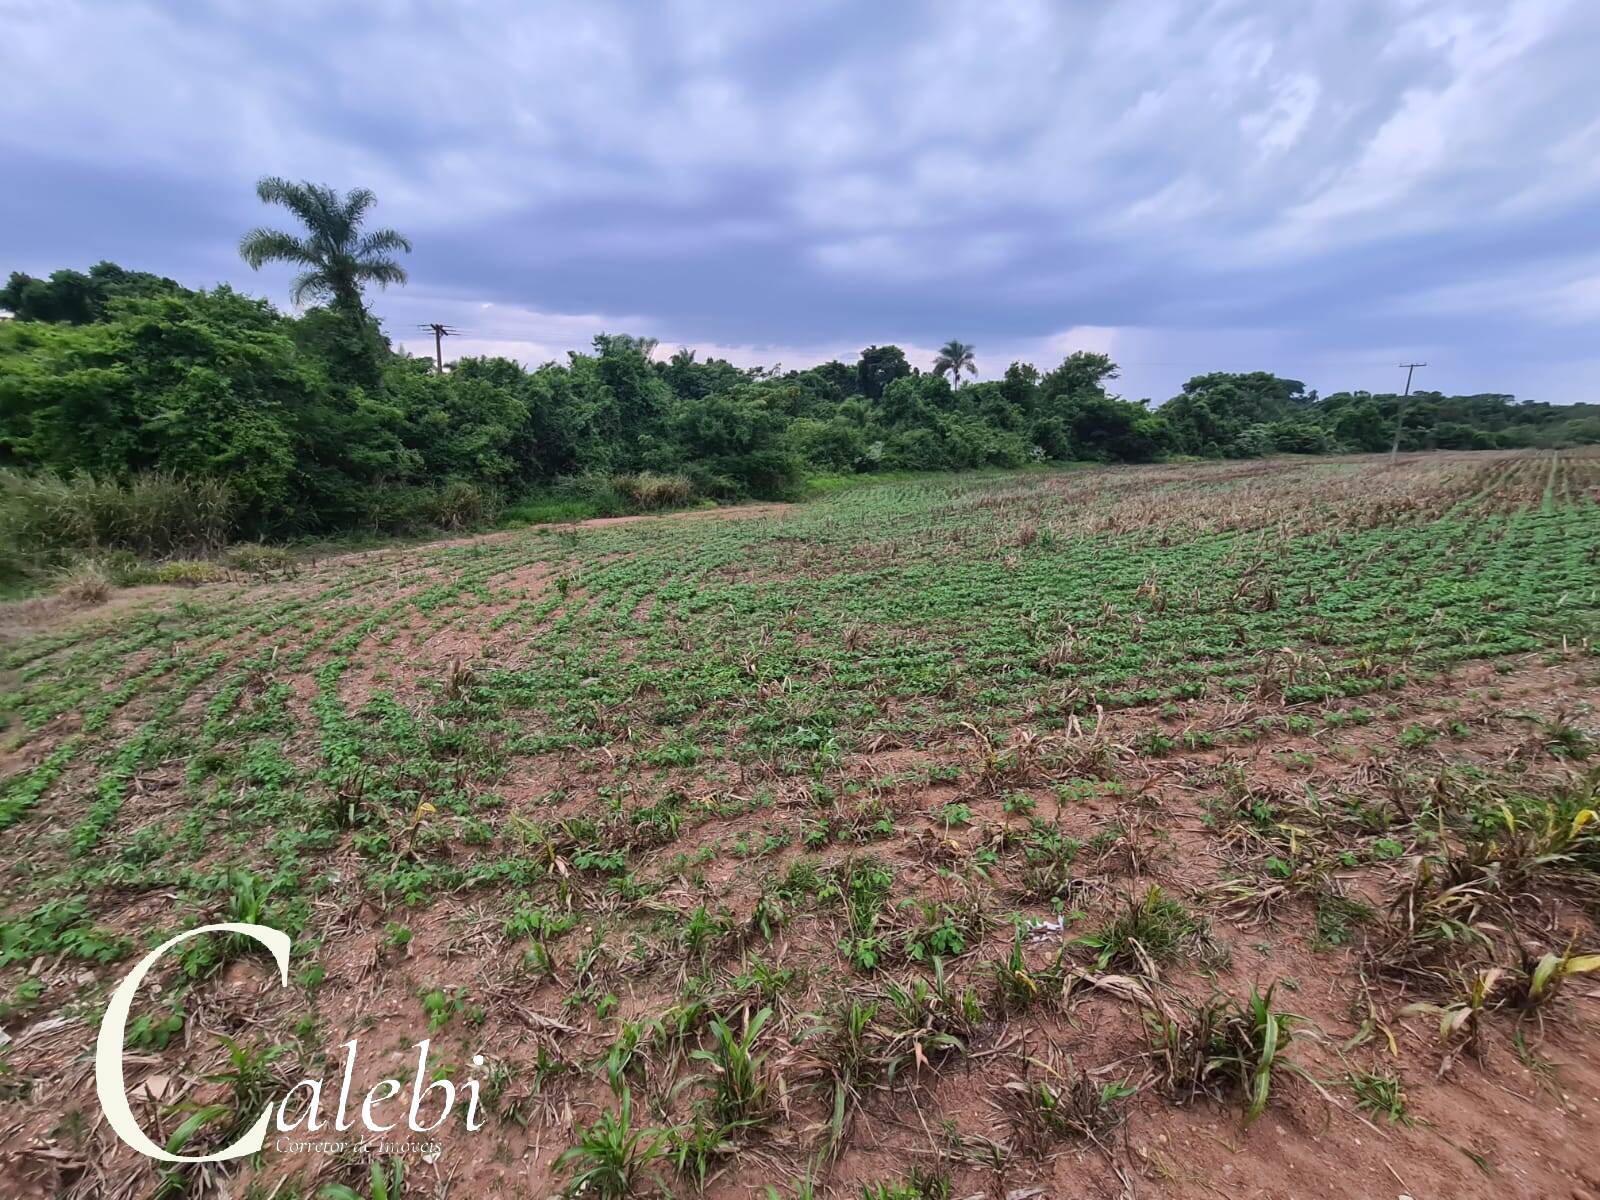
[(440, 332), (1400, 417)]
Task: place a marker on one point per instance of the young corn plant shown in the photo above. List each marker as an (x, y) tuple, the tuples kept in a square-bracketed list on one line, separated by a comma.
[(693, 1149), (1462, 1018), (1541, 979), (385, 1182), (250, 1077), (803, 1187), (847, 1058), (739, 1087), (1019, 986), (611, 1155), (1434, 926), (628, 1055), (1150, 928), (175, 1181), (930, 1020)]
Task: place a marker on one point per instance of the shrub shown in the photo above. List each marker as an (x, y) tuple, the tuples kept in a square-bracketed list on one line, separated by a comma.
[(459, 504), (454, 504), (836, 445), (256, 559), (543, 510), (1254, 442), (759, 475), (594, 490), (597, 494), (85, 582), (182, 572), (649, 492), (15, 566)]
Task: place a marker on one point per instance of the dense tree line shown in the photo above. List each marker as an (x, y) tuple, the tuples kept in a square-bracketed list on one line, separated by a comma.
[(316, 424), (313, 423)]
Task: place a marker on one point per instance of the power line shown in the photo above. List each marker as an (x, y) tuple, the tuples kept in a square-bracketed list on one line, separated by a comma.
[(1330, 365), (440, 332), (1400, 417)]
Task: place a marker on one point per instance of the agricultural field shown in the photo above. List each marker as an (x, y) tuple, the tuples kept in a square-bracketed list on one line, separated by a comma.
[(1191, 830)]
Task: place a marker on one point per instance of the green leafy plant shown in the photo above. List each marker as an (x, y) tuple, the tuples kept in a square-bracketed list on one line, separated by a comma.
[(1153, 925), (737, 1078), (611, 1155), (385, 1181), (1226, 1045)]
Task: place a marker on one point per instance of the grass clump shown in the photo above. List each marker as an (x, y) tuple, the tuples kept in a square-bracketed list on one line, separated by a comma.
[(1226, 1046), (1152, 928), (611, 1155)]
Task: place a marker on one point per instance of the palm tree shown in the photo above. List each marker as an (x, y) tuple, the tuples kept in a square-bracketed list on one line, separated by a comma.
[(336, 257), (955, 357)]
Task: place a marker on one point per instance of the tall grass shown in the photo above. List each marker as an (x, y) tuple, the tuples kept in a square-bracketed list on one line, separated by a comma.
[(649, 492), (580, 497), (44, 518), (450, 505)]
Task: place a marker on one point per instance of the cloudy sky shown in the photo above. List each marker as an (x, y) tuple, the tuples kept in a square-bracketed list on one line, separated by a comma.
[(1320, 188)]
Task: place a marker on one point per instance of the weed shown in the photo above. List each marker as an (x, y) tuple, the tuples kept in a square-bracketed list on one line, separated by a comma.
[(1225, 1045), (1150, 928), (86, 582), (1070, 1105), (919, 1185), (1337, 918), (1381, 1094), (611, 1155)]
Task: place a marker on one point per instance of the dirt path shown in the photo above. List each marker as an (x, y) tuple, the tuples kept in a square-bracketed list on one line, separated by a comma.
[(737, 512), (732, 513)]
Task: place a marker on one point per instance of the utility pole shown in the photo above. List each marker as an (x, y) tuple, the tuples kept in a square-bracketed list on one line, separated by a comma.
[(440, 332), (1400, 417)]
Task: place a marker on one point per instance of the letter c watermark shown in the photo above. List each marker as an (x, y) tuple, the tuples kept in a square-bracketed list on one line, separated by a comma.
[(108, 1049)]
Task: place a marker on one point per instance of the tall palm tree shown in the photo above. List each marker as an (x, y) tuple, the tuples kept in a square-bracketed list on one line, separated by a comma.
[(955, 357), (336, 257)]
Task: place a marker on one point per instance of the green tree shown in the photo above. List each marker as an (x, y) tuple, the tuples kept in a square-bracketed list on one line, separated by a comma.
[(833, 445), (1362, 427), (76, 298), (914, 400), (204, 385), (954, 358), (335, 258), (733, 443), (690, 380), (622, 343), (1082, 373), (1107, 428), (463, 425), (1227, 413), (878, 367)]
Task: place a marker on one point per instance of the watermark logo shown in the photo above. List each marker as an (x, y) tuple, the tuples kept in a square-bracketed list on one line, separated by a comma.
[(119, 1114)]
